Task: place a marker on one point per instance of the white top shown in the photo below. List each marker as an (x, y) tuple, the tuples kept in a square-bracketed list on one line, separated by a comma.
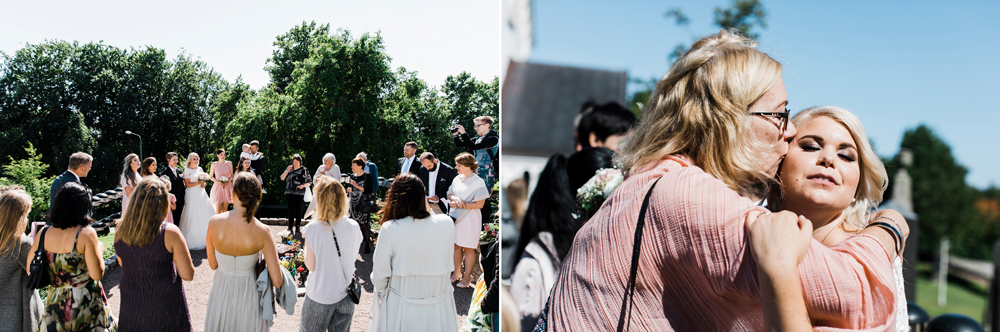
[(411, 272), (123, 182), (252, 157), (327, 284), (469, 189), (333, 172)]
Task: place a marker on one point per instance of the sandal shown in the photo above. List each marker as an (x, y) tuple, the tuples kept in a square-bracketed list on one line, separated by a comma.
[(461, 285)]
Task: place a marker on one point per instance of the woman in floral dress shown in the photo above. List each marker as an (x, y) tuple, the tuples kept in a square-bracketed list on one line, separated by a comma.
[(76, 299)]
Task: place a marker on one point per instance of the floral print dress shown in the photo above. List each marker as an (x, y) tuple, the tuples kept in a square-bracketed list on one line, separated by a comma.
[(75, 301)]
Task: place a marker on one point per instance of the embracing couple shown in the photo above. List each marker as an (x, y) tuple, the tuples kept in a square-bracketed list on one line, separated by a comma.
[(715, 142)]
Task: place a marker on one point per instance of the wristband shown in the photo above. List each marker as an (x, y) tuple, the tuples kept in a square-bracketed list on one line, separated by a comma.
[(896, 237), (892, 220)]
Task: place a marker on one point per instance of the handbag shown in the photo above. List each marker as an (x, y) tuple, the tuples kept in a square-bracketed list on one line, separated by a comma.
[(38, 274), (308, 196), (367, 204), (354, 288)]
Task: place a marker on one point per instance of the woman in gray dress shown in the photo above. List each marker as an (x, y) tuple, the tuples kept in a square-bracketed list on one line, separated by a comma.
[(20, 307)]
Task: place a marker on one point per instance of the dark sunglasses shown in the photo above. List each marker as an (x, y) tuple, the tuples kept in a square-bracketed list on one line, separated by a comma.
[(781, 116)]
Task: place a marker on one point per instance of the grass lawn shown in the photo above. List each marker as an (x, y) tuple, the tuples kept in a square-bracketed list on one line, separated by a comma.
[(963, 298)]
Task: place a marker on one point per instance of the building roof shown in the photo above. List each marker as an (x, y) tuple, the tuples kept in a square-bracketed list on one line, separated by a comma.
[(540, 101)]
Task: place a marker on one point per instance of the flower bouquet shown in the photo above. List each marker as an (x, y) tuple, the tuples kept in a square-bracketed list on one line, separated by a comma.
[(490, 234), (202, 177), (599, 188), (164, 178), (224, 179)]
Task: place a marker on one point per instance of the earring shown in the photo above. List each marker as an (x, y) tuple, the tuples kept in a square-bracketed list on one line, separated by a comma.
[(854, 200)]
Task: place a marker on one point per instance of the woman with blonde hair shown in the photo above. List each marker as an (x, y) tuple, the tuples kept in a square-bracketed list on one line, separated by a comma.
[(332, 242), (154, 258), (411, 266), (710, 141), (466, 195), (20, 307), (233, 301), (198, 206)]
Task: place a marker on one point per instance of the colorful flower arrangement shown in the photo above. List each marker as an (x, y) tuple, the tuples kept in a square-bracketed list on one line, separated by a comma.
[(292, 256), (490, 233), (599, 188)]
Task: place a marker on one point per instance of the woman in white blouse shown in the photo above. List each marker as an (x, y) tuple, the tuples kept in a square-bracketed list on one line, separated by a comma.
[(411, 268), (328, 168), (130, 178), (332, 243), (466, 196)]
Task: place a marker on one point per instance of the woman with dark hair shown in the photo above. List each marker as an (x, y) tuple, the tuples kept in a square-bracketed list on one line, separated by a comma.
[(296, 179), (76, 300), (20, 307), (148, 167), (154, 258), (583, 164), (244, 166), (331, 244), (361, 190), (233, 302), (130, 178), (411, 266), (546, 236)]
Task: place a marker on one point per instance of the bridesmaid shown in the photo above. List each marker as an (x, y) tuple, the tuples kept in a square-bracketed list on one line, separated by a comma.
[(130, 178), (154, 259), (148, 167), (221, 173)]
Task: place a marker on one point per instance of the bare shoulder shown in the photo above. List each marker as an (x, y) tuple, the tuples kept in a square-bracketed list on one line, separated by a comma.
[(260, 229)]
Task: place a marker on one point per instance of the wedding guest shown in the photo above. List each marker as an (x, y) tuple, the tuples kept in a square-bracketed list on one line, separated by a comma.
[(154, 259), (177, 187), (411, 267), (296, 179), (408, 163), (466, 196), (221, 172), (370, 168), (233, 301), (246, 151), (361, 189), (20, 307), (331, 247), (328, 168), (484, 146), (76, 300), (244, 166), (172, 202), (710, 142), (437, 176), (602, 126), (129, 178), (148, 167), (79, 167), (257, 161)]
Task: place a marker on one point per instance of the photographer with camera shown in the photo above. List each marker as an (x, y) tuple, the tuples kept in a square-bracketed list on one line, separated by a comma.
[(486, 148)]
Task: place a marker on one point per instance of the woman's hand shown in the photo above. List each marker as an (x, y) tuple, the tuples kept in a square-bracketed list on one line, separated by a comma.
[(778, 240)]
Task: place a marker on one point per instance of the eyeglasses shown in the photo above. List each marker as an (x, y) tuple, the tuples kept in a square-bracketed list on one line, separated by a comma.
[(781, 116), (481, 124)]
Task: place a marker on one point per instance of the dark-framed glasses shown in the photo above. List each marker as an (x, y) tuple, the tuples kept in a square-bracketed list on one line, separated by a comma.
[(781, 116)]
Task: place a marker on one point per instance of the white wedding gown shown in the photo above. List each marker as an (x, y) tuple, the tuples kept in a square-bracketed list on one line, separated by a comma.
[(197, 210)]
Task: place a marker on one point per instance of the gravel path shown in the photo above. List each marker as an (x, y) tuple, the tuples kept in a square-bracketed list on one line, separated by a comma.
[(197, 294)]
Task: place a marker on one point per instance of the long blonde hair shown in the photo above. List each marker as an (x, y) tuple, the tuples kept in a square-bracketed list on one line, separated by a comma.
[(146, 212), (873, 180), (15, 204), (331, 200), (700, 109)]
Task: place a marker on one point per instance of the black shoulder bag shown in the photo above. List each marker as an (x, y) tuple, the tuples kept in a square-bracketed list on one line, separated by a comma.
[(38, 275), (354, 288)]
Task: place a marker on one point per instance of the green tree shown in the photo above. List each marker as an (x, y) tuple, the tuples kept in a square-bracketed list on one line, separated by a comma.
[(941, 197), (28, 173)]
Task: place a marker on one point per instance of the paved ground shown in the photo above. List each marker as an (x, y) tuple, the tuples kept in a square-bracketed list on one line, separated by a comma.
[(197, 294)]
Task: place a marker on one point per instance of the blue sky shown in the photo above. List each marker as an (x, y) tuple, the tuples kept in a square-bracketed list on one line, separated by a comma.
[(436, 38), (894, 64)]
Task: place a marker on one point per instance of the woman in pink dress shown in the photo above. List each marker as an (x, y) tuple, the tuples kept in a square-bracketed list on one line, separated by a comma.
[(222, 190)]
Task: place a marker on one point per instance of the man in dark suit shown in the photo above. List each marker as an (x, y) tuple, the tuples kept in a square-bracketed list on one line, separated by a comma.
[(79, 167), (177, 186), (437, 177), (409, 162)]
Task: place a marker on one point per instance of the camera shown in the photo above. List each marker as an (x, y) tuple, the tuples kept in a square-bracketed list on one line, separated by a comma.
[(454, 129)]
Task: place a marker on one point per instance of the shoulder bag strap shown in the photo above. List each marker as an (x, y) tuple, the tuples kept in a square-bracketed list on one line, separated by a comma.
[(337, 243), (629, 297)]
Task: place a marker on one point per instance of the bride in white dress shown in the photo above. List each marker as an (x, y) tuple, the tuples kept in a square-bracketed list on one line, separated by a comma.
[(197, 206)]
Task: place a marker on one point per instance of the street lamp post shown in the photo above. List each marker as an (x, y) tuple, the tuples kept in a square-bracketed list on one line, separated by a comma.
[(140, 141)]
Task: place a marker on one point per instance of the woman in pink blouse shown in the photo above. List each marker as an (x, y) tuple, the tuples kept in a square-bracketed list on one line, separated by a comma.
[(712, 137)]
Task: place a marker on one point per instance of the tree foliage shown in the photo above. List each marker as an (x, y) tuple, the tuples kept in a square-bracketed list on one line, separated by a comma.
[(28, 173)]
